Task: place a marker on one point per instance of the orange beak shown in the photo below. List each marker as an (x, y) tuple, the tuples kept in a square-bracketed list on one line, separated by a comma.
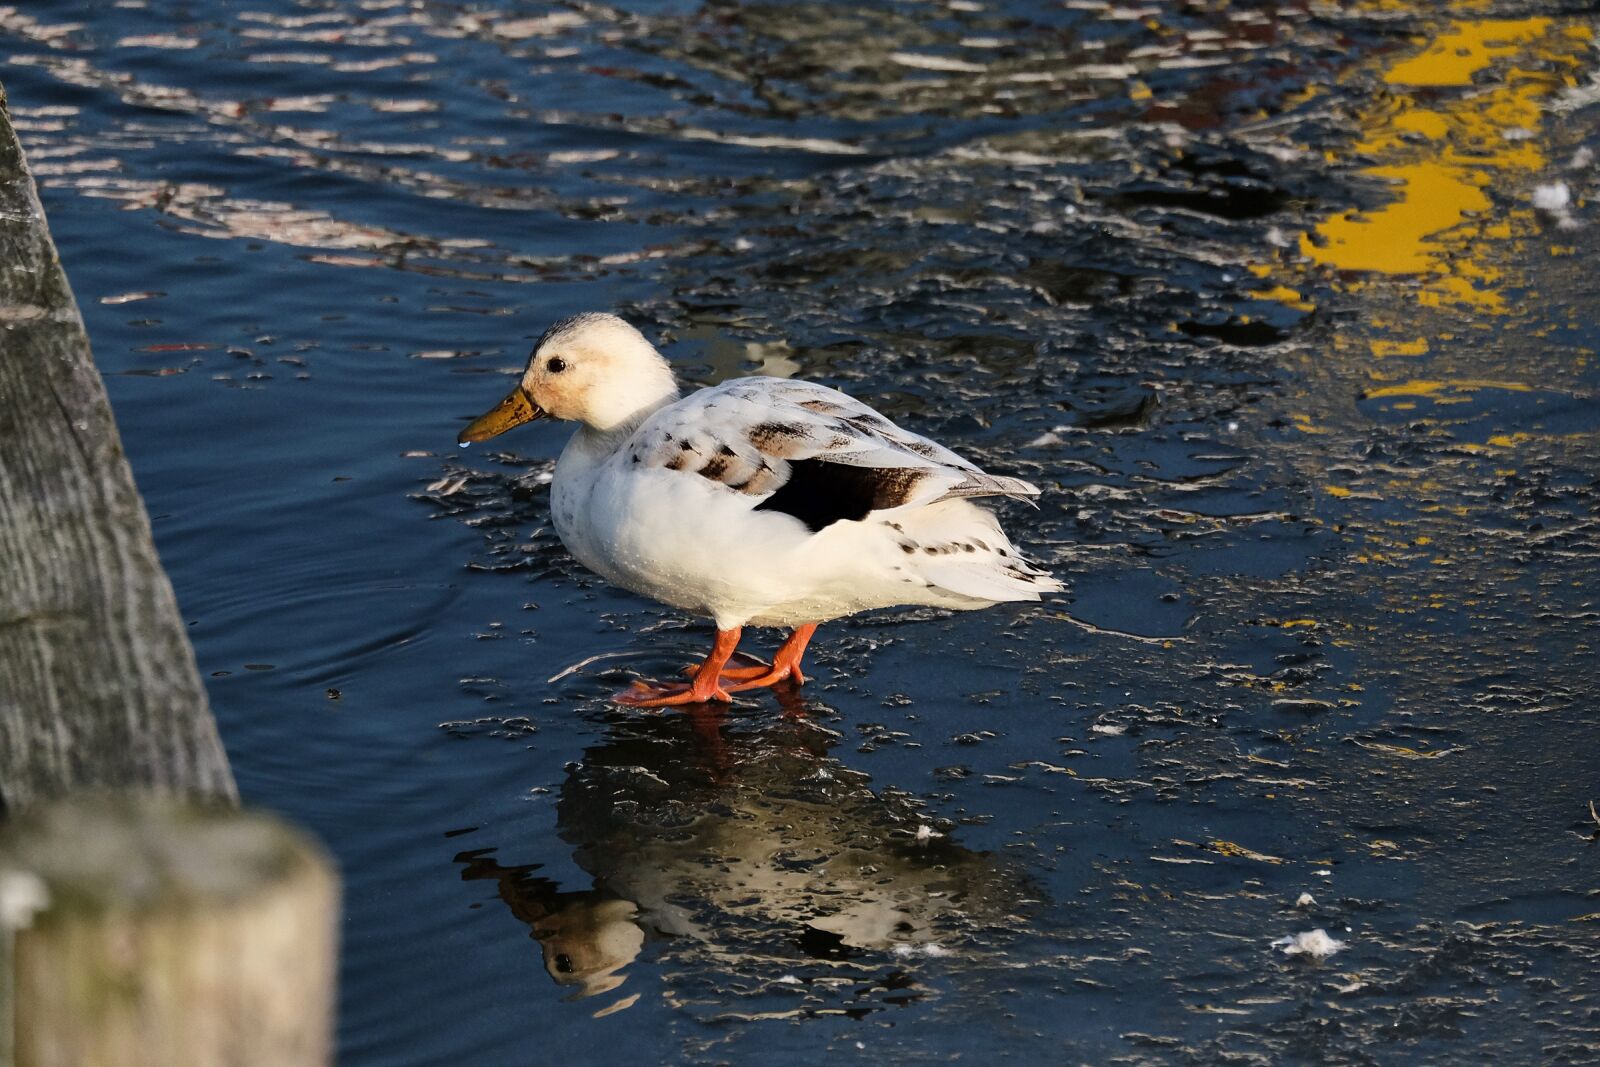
[(517, 408)]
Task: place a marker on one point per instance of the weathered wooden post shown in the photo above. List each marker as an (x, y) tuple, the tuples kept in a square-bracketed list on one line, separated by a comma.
[(163, 934), (157, 926), (98, 683)]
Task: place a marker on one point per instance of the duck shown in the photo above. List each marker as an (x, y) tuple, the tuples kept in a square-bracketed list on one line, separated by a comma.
[(759, 501)]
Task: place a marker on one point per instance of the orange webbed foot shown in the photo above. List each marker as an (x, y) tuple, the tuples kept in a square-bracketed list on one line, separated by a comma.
[(785, 664), (643, 694), (755, 667), (706, 686), (769, 676)]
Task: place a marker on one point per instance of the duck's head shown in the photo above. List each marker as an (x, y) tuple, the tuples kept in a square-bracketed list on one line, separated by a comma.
[(592, 368), (588, 941)]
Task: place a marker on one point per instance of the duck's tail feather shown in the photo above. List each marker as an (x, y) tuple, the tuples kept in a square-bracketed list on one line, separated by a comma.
[(960, 548)]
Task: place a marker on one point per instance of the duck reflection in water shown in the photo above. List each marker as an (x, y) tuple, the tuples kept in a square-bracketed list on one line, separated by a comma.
[(754, 850)]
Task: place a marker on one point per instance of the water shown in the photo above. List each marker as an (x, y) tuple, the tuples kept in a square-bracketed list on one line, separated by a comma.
[(1257, 292)]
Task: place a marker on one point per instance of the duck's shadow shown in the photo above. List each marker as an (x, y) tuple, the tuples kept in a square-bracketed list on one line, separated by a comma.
[(759, 866)]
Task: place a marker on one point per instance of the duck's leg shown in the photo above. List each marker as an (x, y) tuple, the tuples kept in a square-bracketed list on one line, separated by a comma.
[(785, 662), (705, 687)]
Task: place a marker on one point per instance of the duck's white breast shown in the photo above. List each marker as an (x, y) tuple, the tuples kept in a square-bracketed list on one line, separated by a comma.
[(673, 536)]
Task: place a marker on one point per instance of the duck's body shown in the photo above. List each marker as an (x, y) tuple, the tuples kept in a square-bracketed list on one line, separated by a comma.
[(760, 501), (703, 507)]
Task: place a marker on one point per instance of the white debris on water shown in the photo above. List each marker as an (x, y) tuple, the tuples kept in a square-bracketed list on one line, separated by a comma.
[(921, 61), (1108, 730), (1553, 197), (1305, 900), (1314, 943), (932, 949), (1576, 98), (1555, 200), (1582, 159)]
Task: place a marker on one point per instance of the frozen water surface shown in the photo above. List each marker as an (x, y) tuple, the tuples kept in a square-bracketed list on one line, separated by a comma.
[(1275, 301)]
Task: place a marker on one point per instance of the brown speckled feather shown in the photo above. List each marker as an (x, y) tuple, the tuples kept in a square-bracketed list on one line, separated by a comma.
[(808, 451)]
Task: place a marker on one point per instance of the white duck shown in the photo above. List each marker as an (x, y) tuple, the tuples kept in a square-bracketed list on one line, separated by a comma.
[(759, 501)]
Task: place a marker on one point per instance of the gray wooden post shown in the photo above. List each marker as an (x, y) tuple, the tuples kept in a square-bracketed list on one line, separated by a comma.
[(98, 683), (137, 929), (157, 933)]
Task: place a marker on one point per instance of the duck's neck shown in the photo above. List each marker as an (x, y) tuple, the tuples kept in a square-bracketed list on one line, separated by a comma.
[(606, 430)]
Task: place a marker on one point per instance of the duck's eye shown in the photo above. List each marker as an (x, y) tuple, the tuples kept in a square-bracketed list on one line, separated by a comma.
[(556, 365)]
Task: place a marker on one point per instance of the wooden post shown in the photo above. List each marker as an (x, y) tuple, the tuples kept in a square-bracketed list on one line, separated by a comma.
[(98, 683), (166, 935), (136, 930)]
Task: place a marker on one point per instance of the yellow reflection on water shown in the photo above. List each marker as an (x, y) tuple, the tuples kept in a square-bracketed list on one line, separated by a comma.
[(1423, 387), (1440, 150), (1455, 56), (1436, 300)]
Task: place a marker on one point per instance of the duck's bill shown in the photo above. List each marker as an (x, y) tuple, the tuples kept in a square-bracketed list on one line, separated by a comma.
[(516, 409)]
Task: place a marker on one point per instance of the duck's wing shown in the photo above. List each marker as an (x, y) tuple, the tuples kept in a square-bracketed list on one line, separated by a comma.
[(808, 451)]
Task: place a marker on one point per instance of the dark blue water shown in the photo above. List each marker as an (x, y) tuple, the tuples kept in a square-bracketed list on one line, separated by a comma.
[(1264, 304)]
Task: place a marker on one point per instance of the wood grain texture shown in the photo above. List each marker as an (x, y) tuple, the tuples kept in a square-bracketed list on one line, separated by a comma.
[(160, 933), (98, 683)]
